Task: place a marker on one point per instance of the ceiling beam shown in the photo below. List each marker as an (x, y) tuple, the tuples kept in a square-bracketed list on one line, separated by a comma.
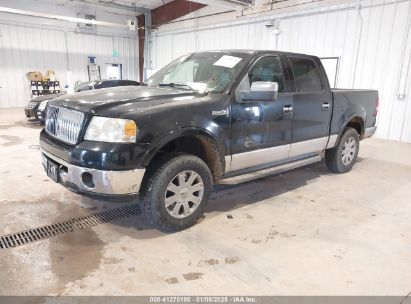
[(160, 16), (173, 10)]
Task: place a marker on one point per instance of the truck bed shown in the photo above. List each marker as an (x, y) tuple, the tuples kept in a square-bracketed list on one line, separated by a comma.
[(350, 102)]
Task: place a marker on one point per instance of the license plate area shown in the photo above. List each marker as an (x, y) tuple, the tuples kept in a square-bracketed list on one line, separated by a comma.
[(52, 169)]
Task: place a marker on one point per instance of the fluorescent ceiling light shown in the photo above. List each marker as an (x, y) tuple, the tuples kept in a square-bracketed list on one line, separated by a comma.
[(58, 17), (237, 4)]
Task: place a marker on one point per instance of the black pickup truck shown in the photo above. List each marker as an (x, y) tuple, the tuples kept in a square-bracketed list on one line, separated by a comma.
[(206, 118)]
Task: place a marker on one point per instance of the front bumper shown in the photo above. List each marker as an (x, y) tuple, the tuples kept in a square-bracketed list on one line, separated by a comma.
[(30, 113), (93, 181)]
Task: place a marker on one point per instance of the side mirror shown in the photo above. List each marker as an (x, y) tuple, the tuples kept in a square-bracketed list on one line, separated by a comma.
[(260, 91)]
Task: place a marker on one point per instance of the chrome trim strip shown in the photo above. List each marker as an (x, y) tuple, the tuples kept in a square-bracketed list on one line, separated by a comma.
[(258, 157), (332, 141), (271, 171), (308, 146), (369, 132), (106, 182), (255, 158)]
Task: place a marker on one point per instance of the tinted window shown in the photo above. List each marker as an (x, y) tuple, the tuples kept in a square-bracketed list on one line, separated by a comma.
[(267, 69), (84, 87), (306, 75), (105, 84)]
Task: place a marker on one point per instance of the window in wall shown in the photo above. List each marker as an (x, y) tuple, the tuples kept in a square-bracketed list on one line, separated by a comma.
[(114, 71), (331, 65), (306, 75)]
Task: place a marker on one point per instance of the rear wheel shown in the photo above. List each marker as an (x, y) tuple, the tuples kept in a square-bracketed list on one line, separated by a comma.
[(342, 158), (176, 192)]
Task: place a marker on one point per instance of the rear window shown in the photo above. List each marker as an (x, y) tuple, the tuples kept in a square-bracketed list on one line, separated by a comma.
[(306, 75)]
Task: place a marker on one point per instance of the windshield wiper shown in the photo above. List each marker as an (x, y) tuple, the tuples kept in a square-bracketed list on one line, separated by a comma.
[(176, 84)]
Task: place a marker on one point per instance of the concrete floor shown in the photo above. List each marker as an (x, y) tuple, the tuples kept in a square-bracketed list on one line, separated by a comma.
[(306, 232)]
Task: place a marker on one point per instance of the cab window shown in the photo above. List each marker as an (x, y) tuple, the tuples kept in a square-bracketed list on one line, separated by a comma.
[(306, 75), (265, 69)]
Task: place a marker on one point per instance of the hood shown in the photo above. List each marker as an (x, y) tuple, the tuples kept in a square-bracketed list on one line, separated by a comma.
[(116, 101)]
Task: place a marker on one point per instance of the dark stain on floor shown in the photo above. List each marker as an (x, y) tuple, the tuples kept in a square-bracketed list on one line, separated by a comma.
[(208, 262), (172, 280), (11, 140), (191, 276), (48, 266), (82, 248), (231, 260)]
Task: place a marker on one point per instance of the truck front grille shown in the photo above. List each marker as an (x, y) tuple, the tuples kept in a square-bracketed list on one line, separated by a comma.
[(64, 124)]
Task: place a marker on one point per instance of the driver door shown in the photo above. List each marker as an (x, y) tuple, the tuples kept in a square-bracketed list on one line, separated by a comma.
[(261, 130)]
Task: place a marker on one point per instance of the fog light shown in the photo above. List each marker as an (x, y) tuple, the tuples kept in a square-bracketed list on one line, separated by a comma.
[(87, 180)]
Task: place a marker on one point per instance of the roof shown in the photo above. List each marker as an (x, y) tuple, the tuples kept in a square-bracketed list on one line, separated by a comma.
[(256, 52)]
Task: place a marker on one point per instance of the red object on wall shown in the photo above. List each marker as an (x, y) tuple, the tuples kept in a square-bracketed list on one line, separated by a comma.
[(160, 16)]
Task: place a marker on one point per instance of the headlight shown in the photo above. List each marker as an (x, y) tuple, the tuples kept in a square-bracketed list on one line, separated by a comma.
[(43, 105), (111, 130)]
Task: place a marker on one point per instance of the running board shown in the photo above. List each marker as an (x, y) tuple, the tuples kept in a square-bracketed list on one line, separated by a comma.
[(270, 171)]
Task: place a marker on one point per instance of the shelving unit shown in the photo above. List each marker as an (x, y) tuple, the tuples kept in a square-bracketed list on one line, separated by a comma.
[(39, 88)]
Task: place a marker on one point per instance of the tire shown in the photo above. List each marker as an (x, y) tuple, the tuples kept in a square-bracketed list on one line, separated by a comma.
[(342, 158), (191, 180)]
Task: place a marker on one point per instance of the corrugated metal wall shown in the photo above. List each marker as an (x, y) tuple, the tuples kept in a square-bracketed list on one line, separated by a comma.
[(373, 43), (81, 46), (24, 49)]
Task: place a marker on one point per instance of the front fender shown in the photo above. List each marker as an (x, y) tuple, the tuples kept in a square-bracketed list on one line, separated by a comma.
[(159, 143)]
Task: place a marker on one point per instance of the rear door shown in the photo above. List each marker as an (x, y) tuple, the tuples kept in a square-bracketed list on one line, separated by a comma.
[(312, 104)]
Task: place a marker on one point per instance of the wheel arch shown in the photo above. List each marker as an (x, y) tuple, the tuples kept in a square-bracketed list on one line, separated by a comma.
[(195, 141), (354, 121)]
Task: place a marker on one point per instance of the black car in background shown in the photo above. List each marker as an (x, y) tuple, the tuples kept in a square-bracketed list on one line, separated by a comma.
[(101, 84), (32, 107), (37, 106)]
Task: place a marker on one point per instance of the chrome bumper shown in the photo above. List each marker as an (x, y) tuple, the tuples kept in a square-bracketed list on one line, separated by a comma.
[(95, 181), (369, 132)]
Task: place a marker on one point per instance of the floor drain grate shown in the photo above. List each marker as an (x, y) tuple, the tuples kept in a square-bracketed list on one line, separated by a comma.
[(46, 232), (49, 231)]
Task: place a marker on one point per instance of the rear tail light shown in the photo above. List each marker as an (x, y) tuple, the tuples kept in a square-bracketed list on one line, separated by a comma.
[(376, 107)]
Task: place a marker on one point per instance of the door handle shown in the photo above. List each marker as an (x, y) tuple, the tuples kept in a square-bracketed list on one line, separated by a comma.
[(325, 106), (287, 110)]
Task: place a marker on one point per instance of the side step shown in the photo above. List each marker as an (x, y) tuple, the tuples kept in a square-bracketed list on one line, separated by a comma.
[(270, 171)]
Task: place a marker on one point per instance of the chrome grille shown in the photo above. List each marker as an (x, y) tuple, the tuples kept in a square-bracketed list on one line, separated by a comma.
[(32, 105), (64, 124)]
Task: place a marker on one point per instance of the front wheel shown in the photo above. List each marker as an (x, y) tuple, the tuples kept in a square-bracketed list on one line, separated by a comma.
[(342, 158), (176, 192)]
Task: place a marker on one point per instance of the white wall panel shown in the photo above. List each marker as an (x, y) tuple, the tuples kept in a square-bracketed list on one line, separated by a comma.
[(80, 46), (371, 43), (24, 49)]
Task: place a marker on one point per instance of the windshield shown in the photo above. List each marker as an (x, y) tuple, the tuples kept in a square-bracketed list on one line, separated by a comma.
[(202, 72)]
